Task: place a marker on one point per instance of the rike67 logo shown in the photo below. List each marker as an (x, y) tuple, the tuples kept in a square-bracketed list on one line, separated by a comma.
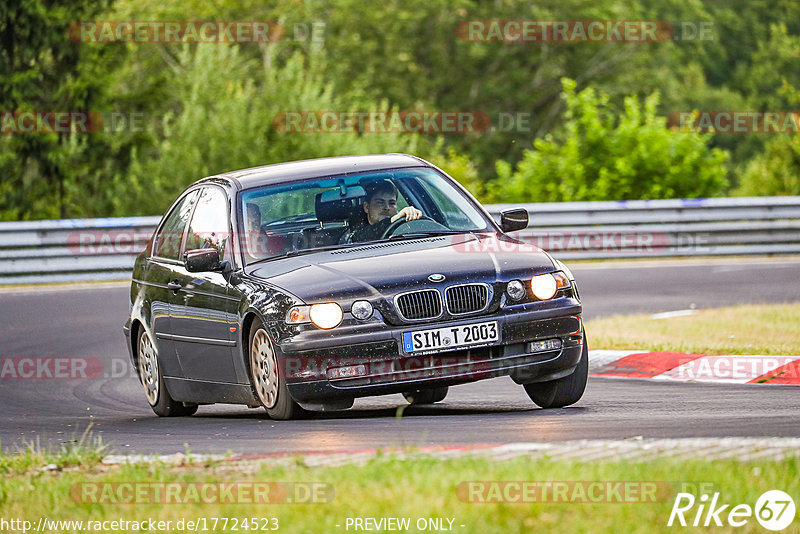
[(774, 510)]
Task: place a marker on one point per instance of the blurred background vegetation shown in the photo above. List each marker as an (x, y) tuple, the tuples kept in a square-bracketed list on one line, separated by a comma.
[(597, 111)]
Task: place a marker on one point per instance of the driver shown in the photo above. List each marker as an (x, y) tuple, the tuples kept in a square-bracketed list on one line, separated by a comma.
[(380, 208)]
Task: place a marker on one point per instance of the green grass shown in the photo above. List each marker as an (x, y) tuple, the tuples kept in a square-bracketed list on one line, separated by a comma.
[(84, 451), (416, 488), (755, 329)]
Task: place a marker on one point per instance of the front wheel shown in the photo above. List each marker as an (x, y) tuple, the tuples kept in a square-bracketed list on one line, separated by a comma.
[(426, 396), (268, 381), (153, 381), (562, 391)]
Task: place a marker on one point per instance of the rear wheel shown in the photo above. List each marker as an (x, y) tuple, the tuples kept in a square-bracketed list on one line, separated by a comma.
[(563, 391), (426, 396), (153, 381), (268, 381)]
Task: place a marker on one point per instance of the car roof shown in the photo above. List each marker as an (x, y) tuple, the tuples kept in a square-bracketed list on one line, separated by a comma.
[(312, 168)]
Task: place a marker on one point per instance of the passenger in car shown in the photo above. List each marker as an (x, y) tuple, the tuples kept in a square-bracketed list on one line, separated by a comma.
[(380, 210), (258, 244)]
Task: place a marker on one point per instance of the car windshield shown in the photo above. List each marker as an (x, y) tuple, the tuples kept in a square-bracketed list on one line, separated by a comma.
[(332, 212)]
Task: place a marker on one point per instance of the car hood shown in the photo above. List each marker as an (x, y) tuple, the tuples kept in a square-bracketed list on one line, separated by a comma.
[(385, 269)]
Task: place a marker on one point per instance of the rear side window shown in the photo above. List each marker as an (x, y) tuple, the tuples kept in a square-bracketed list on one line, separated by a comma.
[(209, 226), (168, 241)]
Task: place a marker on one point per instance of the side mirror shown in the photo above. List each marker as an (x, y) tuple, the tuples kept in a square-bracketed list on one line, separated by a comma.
[(202, 260), (512, 220)]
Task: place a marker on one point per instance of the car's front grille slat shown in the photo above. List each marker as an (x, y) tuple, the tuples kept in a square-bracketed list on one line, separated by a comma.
[(418, 305), (467, 298), (427, 304)]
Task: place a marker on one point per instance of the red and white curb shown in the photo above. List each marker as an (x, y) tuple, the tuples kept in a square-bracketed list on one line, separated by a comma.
[(734, 369)]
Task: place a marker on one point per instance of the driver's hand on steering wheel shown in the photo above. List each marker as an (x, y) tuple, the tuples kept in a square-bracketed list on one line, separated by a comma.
[(409, 212)]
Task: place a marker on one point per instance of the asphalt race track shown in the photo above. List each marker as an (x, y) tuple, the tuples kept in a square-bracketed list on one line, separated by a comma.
[(87, 322)]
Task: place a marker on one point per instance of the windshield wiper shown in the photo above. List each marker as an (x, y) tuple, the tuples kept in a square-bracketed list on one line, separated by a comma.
[(431, 233), (302, 251)]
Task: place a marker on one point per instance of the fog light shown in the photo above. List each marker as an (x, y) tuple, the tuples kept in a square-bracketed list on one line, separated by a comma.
[(544, 345), (327, 315), (544, 286), (350, 371), (361, 310), (515, 290)]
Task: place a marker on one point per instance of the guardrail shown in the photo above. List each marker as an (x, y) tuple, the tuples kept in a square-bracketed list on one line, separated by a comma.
[(104, 249)]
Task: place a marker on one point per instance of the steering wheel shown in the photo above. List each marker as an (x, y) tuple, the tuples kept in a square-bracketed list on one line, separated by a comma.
[(423, 224)]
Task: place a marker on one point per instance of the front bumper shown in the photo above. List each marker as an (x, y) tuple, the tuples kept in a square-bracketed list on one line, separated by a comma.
[(382, 367)]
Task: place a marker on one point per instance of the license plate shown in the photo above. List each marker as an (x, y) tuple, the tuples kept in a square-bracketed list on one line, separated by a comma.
[(451, 337)]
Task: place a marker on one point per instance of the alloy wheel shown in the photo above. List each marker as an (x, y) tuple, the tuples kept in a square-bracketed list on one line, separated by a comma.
[(264, 366)]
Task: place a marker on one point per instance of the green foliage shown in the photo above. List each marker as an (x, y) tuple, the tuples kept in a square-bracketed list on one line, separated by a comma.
[(606, 157), (774, 172), (221, 123), (460, 167), (43, 70)]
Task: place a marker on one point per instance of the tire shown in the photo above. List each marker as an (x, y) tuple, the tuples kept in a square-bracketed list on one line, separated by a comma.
[(266, 377), (563, 391), (153, 381), (426, 396)]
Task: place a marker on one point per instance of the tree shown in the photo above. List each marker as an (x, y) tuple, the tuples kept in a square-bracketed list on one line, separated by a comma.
[(774, 172), (44, 71), (221, 123), (601, 156)]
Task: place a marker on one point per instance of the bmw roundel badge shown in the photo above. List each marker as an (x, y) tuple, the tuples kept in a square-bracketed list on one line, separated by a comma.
[(436, 277)]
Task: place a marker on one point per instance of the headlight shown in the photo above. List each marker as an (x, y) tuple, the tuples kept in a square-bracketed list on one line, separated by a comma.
[(326, 316), (545, 286), (515, 290), (361, 310)]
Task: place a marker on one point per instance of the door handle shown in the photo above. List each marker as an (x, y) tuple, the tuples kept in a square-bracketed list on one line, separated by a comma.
[(174, 286)]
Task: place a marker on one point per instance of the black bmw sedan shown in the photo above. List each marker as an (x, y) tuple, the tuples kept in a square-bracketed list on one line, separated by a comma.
[(301, 286)]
